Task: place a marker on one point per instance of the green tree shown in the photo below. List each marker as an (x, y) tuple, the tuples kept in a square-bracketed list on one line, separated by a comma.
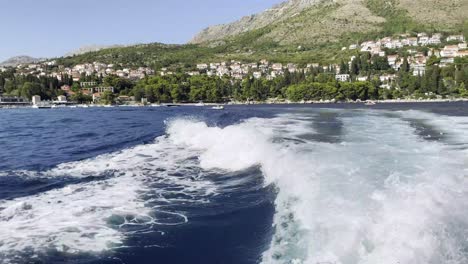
[(108, 98), (28, 90), (81, 98)]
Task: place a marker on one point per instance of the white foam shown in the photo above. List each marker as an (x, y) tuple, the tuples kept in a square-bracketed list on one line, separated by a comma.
[(98, 215), (382, 196)]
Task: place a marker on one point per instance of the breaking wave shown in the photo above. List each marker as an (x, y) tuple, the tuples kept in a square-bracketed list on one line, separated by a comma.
[(382, 195)]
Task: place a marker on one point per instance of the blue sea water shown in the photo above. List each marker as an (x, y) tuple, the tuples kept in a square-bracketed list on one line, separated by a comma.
[(248, 184)]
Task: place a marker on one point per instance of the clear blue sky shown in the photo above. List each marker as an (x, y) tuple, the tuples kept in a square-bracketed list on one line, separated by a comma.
[(47, 28)]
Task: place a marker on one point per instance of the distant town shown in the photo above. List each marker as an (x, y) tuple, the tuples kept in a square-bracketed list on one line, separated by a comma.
[(416, 52)]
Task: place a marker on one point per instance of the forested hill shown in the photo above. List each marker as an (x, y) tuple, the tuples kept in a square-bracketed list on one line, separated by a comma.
[(302, 31)]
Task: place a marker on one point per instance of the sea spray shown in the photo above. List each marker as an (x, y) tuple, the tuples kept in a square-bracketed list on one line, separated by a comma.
[(383, 195)]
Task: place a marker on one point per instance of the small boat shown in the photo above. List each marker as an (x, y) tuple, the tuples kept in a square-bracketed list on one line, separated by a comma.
[(200, 104), (218, 107), (370, 103)]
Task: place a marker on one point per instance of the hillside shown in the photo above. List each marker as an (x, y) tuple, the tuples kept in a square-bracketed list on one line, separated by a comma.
[(91, 48), (309, 22), (298, 31), (256, 21), (15, 61)]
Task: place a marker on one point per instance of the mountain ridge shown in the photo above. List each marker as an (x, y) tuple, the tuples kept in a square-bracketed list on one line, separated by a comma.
[(253, 21), (299, 22), (91, 48), (17, 60)]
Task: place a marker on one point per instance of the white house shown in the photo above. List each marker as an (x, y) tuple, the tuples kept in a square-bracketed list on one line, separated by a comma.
[(392, 59), (418, 69), (36, 99), (449, 51), (434, 40), (257, 75), (423, 40), (388, 77), (202, 66), (277, 67), (460, 38), (462, 53), (62, 98), (342, 77)]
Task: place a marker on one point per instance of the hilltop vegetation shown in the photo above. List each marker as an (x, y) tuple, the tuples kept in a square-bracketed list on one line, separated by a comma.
[(155, 54), (300, 32)]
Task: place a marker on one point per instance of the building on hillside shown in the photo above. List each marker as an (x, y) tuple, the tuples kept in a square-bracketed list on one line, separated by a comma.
[(193, 73), (413, 41), (97, 97), (87, 84), (76, 76), (460, 38), (104, 89), (418, 69), (342, 77), (313, 65), (462, 53), (435, 39), (444, 62), (91, 90), (292, 67), (65, 88), (387, 77), (422, 34), (392, 59), (449, 51), (277, 67), (257, 75), (423, 41)]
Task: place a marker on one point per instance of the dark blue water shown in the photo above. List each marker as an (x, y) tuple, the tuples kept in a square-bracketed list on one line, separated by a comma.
[(235, 226)]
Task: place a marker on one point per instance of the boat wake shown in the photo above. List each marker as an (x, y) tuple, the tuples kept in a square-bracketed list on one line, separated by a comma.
[(377, 191), (117, 196), (383, 194)]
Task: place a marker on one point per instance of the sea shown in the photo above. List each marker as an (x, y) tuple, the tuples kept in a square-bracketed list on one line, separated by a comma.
[(273, 184)]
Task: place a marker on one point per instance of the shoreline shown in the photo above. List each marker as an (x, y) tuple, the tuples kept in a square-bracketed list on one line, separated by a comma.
[(254, 103), (395, 101)]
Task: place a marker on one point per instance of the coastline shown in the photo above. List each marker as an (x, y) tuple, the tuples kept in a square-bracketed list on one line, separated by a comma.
[(357, 102), (237, 103)]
